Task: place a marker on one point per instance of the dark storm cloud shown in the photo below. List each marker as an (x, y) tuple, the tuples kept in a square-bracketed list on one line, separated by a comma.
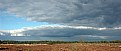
[(98, 13), (58, 32), (62, 33)]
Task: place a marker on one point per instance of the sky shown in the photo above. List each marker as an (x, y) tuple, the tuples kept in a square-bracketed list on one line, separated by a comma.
[(68, 20), (9, 22)]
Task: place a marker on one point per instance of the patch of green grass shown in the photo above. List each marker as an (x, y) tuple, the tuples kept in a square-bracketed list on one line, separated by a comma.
[(74, 47), (28, 49)]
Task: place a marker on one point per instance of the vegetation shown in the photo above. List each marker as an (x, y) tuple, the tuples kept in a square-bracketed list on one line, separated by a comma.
[(54, 42), (35, 42)]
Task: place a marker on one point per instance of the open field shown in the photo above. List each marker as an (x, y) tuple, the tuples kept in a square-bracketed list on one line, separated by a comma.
[(62, 47)]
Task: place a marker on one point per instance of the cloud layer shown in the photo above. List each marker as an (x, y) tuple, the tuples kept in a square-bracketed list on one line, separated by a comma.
[(62, 33), (88, 19), (97, 13)]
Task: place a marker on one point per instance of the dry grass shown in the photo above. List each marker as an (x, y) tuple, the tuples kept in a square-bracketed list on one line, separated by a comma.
[(63, 47)]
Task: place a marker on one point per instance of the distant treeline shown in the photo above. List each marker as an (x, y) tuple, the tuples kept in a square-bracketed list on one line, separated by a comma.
[(54, 42)]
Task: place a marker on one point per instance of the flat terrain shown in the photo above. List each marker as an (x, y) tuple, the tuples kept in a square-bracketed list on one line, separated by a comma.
[(62, 47)]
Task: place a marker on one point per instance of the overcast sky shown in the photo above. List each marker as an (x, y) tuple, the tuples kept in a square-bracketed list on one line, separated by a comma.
[(60, 20)]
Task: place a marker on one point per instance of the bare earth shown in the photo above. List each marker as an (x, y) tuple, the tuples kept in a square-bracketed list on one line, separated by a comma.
[(62, 47)]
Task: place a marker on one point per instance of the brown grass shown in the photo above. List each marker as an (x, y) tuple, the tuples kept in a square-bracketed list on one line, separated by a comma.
[(63, 47)]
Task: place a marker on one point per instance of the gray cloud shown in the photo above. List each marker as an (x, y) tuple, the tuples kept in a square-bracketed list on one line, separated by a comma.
[(92, 13), (61, 33), (97, 13)]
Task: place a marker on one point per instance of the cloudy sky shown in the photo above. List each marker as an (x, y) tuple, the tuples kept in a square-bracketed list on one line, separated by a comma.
[(68, 20)]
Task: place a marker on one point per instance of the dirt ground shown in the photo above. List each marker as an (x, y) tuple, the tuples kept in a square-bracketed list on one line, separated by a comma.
[(61, 47)]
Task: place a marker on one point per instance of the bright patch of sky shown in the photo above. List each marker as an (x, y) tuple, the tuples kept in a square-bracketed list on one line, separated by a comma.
[(9, 22)]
